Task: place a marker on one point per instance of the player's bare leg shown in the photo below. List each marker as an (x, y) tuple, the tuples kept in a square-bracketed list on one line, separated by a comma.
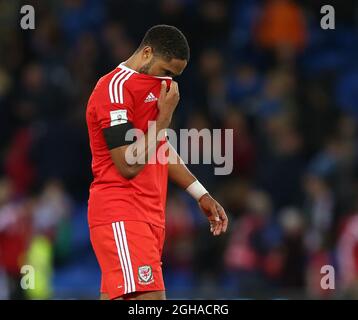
[(150, 295)]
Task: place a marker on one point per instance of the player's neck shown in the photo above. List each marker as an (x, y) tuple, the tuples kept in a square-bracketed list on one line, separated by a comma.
[(132, 63)]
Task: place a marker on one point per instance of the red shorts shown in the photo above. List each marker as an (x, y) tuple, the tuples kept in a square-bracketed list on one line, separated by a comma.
[(129, 254)]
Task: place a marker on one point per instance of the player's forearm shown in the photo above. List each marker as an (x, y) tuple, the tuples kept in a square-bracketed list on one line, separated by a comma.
[(139, 152), (179, 173)]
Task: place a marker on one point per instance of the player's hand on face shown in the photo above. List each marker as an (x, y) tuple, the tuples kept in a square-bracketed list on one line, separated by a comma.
[(168, 100), (215, 213)]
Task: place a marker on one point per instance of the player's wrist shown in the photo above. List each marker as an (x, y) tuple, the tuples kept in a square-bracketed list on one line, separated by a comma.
[(205, 195), (163, 121), (197, 190)]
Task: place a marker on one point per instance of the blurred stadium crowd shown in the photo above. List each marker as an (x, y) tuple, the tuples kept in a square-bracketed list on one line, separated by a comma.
[(263, 68)]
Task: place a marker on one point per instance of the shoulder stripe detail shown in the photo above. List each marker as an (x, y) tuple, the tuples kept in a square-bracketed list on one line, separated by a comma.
[(121, 98), (110, 88), (115, 86)]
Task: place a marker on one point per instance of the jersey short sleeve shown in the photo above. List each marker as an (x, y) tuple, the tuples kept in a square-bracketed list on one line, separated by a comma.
[(116, 116)]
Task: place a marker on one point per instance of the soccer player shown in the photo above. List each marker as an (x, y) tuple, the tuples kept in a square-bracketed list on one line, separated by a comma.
[(126, 207)]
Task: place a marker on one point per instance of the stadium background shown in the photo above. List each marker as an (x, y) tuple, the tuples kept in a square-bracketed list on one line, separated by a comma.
[(265, 69)]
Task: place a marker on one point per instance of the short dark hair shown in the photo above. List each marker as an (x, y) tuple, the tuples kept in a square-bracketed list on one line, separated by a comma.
[(167, 41)]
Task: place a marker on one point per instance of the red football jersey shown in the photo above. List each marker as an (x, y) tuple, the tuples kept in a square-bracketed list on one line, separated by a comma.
[(121, 96)]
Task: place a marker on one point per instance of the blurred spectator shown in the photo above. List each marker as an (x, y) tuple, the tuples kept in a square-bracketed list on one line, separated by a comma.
[(51, 210), (15, 235), (347, 254), (17, 164), (346, 93), (251, 251), (281, 165), (315, 100), (292, 275), (244, 151), (210, 88), (178, 251), (244, 87), (319, 207), (282, 28), (80, 16), (316, 261), (277, 95), (117, 45), (212, 17)]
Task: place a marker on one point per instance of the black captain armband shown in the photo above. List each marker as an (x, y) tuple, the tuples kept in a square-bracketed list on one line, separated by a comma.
[(115, 135)]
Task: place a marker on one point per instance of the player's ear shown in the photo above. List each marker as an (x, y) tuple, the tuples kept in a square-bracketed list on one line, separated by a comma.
[(147, 53)]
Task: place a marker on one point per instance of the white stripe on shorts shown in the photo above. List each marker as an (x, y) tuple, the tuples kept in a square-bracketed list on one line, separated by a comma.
[(121, 259), (123, 237)]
